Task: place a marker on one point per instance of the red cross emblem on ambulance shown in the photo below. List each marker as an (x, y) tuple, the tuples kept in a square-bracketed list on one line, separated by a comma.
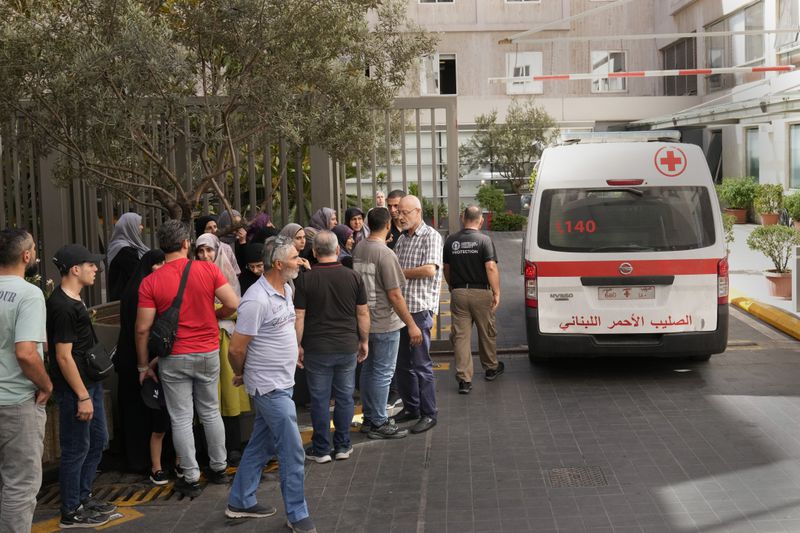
[(670, 161)]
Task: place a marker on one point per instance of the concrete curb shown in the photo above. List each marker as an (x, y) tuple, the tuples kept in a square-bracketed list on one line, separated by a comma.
[(774, 316)]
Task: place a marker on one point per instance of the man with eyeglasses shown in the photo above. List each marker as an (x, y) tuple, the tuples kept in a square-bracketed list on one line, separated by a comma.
[(263, 354), (419, 250)]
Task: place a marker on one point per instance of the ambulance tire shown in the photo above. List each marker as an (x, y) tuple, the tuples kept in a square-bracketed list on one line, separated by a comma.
[(702, 358)]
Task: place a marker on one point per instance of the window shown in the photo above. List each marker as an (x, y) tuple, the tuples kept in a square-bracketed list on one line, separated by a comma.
[(447, 74), (751, 151), (735, 50), (437, 74), (606, 62), (680, 55), (524, 64), (794, 156), (787, 18), (633, 220)]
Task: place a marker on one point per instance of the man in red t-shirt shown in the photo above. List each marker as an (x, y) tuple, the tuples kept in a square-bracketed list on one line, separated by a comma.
[(190, 374)]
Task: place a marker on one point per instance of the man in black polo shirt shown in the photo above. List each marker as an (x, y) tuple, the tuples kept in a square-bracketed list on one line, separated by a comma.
[(470, 268), (332, 324)]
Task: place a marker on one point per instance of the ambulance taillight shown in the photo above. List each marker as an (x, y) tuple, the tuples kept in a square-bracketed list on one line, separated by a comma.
[(722, 281), (531, 294)]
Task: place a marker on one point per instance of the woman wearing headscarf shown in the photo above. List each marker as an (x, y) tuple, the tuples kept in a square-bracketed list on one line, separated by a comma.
[(254, 265), (324, 219), (205, 224), (345, 236), (308, 252), (232, 400), (141, 428), (355, 220), (123, 253), (298, 236)]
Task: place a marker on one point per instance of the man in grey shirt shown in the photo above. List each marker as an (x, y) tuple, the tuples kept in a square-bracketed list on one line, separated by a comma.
[(384, 281), (24, 383), (263, 354)]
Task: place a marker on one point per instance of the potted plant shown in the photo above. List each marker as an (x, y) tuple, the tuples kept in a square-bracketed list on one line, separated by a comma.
[(727, 224), (792, 205), (491, 199), (776, 243), (738, 195), (769, 202)]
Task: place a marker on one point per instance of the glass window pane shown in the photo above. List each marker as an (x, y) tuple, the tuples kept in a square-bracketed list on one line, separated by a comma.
[(794, 156), (754, 20)]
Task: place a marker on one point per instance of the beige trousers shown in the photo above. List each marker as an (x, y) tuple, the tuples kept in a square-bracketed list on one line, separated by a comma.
[(467, 307)]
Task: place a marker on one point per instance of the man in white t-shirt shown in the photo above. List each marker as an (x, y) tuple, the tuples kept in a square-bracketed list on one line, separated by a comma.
[(263, 354), (24, 383)]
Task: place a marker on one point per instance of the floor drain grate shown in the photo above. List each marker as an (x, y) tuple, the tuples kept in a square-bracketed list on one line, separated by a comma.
[(582, 476), (124, 495)]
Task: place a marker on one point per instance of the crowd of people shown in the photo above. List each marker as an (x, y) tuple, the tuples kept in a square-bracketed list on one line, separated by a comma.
[(267, 319)]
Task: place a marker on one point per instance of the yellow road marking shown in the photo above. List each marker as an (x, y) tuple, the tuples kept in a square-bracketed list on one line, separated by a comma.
[(441, 366)]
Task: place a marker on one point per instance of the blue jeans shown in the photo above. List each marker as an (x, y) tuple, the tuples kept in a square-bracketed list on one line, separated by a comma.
[(82, 444), (415, 369), (274, 433), (21, 446), (190, 383), (326, 371), (376, 375)]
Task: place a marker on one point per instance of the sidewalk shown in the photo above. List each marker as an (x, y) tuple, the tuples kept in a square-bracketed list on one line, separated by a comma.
[(749, 288)]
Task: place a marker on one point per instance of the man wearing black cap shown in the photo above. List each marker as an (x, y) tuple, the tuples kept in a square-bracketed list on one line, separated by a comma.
[(82, 419)]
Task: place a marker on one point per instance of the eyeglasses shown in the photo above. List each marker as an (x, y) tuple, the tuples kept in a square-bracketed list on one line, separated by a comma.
[(277, 242), (408, 212)]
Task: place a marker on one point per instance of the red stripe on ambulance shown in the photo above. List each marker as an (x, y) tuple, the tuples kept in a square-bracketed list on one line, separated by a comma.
[(679, 267)]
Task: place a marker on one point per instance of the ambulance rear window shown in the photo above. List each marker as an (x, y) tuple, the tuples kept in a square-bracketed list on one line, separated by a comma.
[(626, 219)]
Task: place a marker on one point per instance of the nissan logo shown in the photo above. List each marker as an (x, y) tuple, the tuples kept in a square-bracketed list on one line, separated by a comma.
[(626, 269)]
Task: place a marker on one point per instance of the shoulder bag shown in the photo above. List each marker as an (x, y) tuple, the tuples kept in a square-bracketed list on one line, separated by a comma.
[(165, 326)]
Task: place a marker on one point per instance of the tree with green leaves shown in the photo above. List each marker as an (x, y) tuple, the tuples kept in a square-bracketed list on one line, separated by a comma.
[(115, 88), (510, 148)]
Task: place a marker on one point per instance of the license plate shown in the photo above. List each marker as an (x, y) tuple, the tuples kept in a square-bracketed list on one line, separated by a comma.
[(646, 292)]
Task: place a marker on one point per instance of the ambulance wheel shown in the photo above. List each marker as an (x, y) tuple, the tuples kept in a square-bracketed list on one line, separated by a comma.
[(702, 358)]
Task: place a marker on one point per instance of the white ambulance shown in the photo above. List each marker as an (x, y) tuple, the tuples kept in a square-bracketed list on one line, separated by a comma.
[(624, 251)]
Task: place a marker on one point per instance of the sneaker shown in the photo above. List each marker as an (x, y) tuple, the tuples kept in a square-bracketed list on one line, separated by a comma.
[(406, 416), (306, 525), (388, 430), (99, 506), (342, 453), (256, 511), (82, 518), (464, 387), (178, 472), (234, 457), (317, 457), (491, 375), (366, 427), (190, 489), (159, 478), (218, 477)]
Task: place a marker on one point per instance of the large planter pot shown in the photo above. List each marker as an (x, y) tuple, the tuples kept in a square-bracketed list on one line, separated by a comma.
[(740, 214), (769, 219), (780, 284)]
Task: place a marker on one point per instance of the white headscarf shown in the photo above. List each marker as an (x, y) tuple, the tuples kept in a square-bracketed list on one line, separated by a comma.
[(220, 259), (126, 234)]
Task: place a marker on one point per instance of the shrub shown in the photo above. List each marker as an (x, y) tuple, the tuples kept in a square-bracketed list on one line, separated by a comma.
[(769, 198), (738, 193), (727, 224), (776, 243), (508, 222), (427, 205), (491, 198), (792, 205)]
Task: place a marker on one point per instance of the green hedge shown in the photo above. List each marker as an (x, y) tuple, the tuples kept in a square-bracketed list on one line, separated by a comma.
[(508, 222)]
